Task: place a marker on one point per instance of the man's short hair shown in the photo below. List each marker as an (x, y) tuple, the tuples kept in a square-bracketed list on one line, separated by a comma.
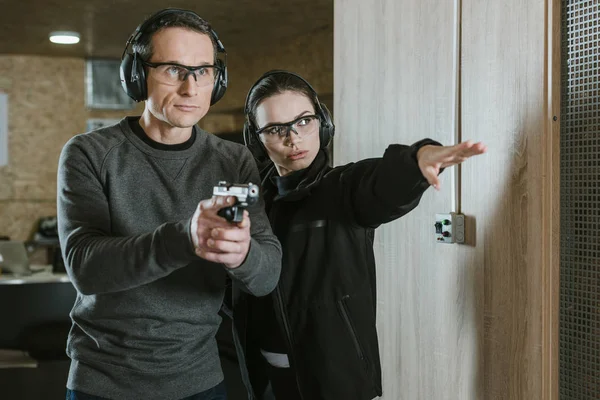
[(177, 19)]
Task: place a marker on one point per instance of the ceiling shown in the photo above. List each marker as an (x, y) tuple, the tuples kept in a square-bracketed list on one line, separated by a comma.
[(105, 25)]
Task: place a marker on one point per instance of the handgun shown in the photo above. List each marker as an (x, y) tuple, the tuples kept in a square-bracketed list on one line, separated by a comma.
[(245, 194)]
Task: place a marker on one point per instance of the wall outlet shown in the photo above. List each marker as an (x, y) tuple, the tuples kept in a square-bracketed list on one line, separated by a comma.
[(449, 228)]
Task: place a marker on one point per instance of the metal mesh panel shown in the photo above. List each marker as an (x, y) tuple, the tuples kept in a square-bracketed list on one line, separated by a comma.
[(580, 202)]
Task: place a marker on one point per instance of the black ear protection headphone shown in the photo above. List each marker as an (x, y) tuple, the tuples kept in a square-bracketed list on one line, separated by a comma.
[(253, 142), (133, 74)]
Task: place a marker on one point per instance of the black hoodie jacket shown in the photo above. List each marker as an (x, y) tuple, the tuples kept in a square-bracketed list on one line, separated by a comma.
[(325, 302)]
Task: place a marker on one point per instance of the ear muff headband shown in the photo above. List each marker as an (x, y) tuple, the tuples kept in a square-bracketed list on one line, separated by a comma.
[(133, 74)]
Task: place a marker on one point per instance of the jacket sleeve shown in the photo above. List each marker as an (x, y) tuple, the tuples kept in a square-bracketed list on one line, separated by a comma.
[(376, 191), (259, 273), (95, 261)]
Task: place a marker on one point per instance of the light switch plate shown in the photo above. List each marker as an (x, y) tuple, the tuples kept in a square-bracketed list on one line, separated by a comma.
[(449, 228)]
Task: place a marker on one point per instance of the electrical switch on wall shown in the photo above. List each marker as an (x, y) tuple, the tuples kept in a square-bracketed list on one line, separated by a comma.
[(449, 228)]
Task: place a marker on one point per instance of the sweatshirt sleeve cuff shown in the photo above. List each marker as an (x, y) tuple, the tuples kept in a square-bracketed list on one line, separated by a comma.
[(254, 274), (245, 270), (178, 240)]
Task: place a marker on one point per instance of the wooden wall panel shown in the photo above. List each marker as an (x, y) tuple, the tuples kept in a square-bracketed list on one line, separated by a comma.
[(503, 102), (457, 321), (394, 83)]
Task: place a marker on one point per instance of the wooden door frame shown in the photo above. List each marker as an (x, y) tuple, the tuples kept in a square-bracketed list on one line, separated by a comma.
[(551, 202)]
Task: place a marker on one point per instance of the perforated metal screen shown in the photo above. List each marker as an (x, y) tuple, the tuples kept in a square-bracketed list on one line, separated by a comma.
[(580, 202)]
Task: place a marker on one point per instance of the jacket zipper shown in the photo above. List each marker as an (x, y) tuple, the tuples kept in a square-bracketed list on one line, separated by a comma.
[(359, 351), (288, 336), (279, 300), (348, 322)]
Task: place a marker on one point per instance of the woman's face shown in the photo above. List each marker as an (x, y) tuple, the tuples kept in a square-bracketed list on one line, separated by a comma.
[(291, 147)]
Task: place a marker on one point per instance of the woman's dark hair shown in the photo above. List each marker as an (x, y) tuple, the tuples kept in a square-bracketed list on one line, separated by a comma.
[(181, 19), (273, 84)]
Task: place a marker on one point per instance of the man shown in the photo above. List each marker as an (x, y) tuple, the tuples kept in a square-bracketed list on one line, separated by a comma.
[(149, 260)]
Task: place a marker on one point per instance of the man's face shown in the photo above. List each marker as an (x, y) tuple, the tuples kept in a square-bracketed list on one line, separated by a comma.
[(184, 104)]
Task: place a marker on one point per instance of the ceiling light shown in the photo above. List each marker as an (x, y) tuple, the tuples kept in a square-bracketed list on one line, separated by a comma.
[(64, 37)]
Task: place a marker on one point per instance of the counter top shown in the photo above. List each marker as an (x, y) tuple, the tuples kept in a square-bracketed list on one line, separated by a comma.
[(44, 276)]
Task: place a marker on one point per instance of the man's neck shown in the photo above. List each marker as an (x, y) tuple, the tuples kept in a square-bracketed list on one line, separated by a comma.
[(162, 132)]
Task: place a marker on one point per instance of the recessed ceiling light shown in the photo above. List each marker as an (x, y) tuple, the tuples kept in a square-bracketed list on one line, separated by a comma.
[(64, 37)]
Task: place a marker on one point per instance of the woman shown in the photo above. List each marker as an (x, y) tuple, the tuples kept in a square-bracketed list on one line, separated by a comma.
[(314, 337)]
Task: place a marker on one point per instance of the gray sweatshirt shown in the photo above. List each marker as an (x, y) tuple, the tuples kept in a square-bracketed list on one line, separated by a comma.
[(145, 317)]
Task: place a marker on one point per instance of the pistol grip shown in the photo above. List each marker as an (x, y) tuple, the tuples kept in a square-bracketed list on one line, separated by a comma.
[(232, 214)]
